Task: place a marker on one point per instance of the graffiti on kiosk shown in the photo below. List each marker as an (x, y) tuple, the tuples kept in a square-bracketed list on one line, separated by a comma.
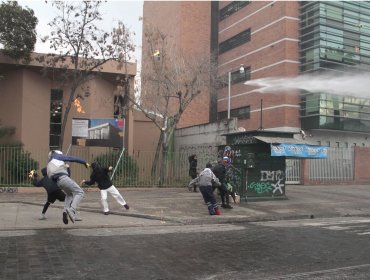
[(270, 182), (260, 187), (8, 189), (274, 177)]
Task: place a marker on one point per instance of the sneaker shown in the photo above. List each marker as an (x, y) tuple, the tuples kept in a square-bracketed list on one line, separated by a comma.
[(78, 219), (217, 212), (126, 206), (228, 206), (223, 205), (106, 213), (212, 212), (42, 217), (71, 214), (65, 218)]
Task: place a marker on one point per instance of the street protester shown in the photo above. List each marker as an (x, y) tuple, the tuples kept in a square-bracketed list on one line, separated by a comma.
[(193, 163), (206, 180), (58, 171), (220, 172), (53, 191), (100, 176)]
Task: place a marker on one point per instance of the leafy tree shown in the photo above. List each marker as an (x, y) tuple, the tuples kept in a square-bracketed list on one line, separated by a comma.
[(82, 47), (17, 30), (171, 80)]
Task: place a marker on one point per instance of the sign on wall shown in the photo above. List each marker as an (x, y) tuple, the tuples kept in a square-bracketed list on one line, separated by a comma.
[(98, 132), (299, 150)]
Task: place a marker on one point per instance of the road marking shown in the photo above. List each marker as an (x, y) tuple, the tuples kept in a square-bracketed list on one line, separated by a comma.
[(15, 233), (320, 273), (354, 225), (154, 230)]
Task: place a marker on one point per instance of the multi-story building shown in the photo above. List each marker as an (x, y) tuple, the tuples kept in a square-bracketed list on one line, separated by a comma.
[(261, 39), (277, 39)]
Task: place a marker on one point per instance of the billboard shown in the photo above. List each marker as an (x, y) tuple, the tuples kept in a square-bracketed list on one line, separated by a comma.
[(104, 132)]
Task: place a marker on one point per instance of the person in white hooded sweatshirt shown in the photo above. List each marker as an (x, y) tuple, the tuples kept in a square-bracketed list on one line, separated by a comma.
[(57, 170), (205, 181)]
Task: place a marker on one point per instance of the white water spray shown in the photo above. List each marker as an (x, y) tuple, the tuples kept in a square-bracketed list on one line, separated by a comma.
[(355, 85)]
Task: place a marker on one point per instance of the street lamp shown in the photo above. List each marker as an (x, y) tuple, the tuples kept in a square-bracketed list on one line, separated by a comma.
[(241, 71)]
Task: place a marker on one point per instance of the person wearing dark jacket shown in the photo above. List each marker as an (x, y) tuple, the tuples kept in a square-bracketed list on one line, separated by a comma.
[(220, 172), (193, 163), (53, 191), (100, 176)]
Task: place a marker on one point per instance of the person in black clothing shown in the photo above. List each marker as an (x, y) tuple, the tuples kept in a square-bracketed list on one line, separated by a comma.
[(220, 172), (53, 191), (100, 176), (193, 162)]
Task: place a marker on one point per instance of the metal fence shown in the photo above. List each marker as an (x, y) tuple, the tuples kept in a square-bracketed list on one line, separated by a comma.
[(134, 171), (293, 171), (338, 166)]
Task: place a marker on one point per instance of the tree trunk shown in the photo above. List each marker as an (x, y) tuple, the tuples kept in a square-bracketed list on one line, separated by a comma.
[(157, 153), (65, 117)]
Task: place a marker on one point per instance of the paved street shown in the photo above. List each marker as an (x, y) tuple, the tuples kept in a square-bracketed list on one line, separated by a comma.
[(320, 232), (331, 248)]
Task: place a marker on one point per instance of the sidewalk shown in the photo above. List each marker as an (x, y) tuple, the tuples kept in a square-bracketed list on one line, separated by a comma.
[(21, 208)]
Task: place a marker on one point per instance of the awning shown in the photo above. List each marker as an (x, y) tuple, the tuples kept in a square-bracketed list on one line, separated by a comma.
[(291, 147)]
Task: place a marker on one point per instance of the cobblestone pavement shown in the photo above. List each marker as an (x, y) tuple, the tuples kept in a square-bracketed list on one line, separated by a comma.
[(168, 234), (200, 252)]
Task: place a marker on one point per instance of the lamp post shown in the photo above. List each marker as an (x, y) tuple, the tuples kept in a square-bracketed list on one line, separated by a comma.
[(241, 71)]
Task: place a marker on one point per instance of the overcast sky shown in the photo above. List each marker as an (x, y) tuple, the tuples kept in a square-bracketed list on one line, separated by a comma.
[(113, 11)]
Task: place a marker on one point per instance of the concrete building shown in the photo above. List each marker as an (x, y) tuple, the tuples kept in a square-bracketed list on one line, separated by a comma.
[(34, 103)]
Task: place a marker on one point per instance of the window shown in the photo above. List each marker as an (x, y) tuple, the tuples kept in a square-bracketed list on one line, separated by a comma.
[(231, 8), (235, 41), (118, 107), (55, 129), (240, 113)]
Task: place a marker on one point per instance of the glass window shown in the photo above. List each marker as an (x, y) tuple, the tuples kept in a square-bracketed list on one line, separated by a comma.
[(235, 41), (240, 113), (231, 8), (55, 127)]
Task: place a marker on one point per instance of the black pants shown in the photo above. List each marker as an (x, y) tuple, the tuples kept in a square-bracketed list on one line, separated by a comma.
[(209, 197), (224, 193), (52, 197)]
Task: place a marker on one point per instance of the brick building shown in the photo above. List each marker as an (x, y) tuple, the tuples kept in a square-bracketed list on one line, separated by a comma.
[(278, 39)]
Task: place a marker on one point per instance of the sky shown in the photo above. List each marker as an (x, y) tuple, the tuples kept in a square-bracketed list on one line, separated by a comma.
[(113, 11)]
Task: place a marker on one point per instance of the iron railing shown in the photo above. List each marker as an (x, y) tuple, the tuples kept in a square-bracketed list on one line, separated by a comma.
[(136, 171)]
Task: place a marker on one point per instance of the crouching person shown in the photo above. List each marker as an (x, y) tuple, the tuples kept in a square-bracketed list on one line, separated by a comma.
[(206, 180)]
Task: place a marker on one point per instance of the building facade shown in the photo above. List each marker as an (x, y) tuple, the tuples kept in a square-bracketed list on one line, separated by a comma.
[(280, 39), (34, 103)]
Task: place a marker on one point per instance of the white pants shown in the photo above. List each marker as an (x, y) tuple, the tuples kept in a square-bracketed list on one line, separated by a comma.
[(116, 195)]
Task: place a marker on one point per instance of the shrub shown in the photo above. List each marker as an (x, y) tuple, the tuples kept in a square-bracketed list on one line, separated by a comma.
[(18, 166)]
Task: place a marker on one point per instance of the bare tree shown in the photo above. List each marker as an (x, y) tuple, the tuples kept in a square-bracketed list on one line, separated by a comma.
[(170, 80), (83, 48)]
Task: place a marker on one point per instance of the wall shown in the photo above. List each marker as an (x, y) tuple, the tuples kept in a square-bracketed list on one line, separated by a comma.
[(203, 140)]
